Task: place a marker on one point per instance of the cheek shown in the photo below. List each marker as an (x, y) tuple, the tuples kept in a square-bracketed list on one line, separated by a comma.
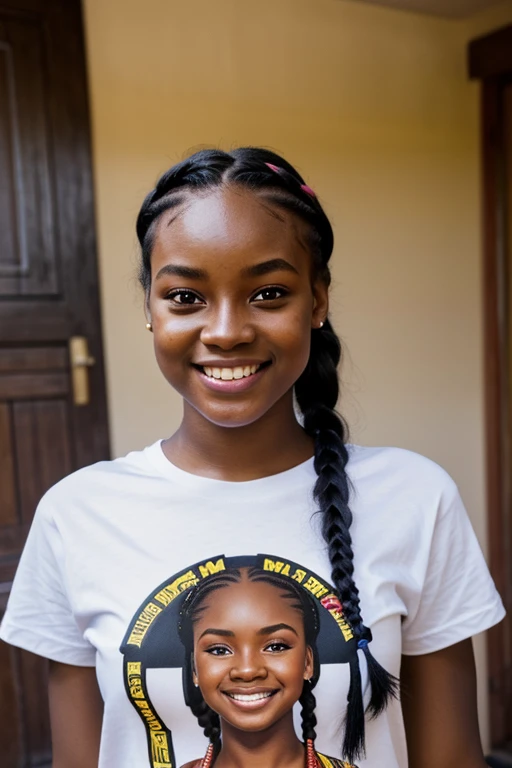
[(209, 670), (291, 333), (172, 344), (291, 671)]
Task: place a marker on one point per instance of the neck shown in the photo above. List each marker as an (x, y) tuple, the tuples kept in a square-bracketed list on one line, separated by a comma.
[(276, 747), (274, 443)]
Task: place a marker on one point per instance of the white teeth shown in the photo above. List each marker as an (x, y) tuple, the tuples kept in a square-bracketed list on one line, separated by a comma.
[(227, 374), (249, 696)]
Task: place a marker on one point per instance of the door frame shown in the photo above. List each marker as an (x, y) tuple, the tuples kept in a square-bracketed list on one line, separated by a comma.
[(490, 62)]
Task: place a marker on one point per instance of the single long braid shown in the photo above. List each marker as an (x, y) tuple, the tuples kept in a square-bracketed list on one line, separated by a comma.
[(208, 720), (316, 390), (308, 704)]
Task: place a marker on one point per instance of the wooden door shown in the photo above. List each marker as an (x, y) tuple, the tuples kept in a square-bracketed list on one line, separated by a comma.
[(490, 60), (48, 294)]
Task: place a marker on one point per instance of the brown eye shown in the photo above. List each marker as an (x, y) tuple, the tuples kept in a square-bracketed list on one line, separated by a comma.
[(185, 297), (218, 650), (270, 294), (277, 647)]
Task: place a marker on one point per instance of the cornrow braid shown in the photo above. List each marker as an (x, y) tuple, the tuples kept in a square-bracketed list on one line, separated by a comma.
[(308, 703), (208, 720), (317, 389), (317, 392)]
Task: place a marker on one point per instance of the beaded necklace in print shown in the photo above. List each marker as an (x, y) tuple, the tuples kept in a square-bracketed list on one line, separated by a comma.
[(313, 760)]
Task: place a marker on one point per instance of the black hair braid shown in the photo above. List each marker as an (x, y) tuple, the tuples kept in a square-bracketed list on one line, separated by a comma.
[(317, 393), (207, 719), (308, 703)]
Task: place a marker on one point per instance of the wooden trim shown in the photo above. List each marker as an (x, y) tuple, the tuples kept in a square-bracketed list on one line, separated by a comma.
[(496, 398), (491, 55)]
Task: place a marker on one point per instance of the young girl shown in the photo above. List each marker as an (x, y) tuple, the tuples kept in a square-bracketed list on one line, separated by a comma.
[(250, 651), (235, 269)]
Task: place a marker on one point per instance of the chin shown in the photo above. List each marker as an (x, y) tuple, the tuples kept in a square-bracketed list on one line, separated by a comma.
[(234, 418)]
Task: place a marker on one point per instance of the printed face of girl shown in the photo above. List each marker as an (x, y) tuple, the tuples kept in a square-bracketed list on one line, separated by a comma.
[(250, 654), (232, 303)]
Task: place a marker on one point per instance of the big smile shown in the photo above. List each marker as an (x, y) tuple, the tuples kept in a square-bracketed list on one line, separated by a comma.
[(250, 701), (247, 697), (232, 373)]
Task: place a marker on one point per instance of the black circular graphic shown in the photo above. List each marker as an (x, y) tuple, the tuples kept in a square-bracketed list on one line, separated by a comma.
[(152, 639)]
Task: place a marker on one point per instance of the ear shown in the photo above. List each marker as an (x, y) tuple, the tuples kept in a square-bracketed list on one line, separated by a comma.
[(309, 666), (146, 307), (320, 303)]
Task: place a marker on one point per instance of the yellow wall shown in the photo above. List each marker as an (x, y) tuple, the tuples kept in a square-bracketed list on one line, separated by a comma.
[(375, 108)]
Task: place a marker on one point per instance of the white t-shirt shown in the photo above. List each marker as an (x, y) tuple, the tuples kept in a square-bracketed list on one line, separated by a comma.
[(106, 538)]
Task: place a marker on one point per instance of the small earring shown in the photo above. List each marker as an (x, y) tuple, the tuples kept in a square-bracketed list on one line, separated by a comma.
[(321, 323), (149, 327), (196, 685)]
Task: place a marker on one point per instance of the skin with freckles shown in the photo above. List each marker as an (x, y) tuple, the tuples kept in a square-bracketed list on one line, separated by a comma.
[(232, 286), (249, 639)]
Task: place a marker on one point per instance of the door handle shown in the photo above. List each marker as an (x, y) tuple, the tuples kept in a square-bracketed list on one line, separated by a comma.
[(80, 360)]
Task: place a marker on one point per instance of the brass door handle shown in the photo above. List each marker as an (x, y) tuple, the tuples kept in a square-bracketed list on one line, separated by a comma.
[(80, 360)]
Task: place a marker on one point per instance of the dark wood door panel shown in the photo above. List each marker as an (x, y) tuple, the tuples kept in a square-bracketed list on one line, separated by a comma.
[(36, 441), (25, 733), (48, 294), (28, 254), (11, 741), (43, 449), (33, 359), (8, 513), (490, 60)]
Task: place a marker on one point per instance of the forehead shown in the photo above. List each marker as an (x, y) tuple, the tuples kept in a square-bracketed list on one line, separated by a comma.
[(250, 603), (229, 221)]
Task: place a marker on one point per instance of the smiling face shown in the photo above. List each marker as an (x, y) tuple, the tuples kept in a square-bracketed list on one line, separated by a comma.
[(250, 654), (232, 303)]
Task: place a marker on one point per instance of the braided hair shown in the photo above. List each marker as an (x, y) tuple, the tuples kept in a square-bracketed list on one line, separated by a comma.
[(316, 390), (191, 612)]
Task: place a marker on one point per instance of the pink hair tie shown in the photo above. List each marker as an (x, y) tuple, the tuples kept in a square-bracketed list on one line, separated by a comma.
[(305, 188)]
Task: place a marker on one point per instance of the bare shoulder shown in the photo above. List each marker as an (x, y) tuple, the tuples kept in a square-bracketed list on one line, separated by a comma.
[(192, 764)]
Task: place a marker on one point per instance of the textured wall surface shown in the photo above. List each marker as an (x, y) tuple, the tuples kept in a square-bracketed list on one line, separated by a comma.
[(374, 107)]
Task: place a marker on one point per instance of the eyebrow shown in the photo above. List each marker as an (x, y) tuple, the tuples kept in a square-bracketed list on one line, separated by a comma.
[(263, 631), (180, 270), (275, 628), (272, 265), (256, 270), (219, 632)]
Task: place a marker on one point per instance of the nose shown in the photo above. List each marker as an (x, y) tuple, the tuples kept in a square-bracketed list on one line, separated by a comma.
[(248, 667), (226, 326)]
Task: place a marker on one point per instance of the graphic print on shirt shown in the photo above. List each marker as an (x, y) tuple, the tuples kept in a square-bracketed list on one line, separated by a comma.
[(153, 638)]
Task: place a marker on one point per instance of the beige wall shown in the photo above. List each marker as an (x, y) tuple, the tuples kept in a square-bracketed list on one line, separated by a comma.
[(375, 108)]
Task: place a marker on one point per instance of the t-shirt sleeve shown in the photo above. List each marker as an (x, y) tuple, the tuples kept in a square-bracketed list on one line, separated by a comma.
[(39, 617), (457, 598)]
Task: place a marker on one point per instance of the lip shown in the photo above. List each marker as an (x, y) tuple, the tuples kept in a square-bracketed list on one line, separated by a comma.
[(231, 386), (250, 706), (249, 691), (239, 362)]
